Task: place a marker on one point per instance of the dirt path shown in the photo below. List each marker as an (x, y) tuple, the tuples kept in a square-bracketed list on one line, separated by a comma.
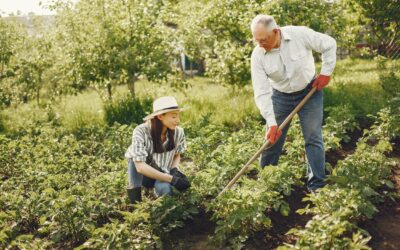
[(194, 235)]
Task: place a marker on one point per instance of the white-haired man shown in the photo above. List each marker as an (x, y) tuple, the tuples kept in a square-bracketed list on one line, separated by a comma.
[(283, 72)]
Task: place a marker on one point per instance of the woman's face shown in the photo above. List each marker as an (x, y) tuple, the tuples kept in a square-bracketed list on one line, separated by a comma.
[(170, 119)]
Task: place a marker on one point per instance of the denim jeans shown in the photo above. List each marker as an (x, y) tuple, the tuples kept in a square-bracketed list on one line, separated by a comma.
[(135, 180), (311, 115)]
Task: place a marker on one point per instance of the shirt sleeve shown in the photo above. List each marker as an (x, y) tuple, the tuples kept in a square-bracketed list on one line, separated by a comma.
[(323, 44), (181, 142), (262, 90), (137, 151)]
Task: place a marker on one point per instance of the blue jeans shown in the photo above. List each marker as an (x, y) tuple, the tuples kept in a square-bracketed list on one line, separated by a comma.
[(135, 180), (311, 116)]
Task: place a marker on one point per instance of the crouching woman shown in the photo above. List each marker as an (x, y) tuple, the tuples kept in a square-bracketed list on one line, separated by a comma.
[(154, 155)]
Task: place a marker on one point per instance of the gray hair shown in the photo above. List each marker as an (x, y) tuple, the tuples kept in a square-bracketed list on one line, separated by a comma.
[(267, 21)]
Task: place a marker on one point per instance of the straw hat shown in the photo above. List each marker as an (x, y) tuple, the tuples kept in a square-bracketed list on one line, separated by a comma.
[(163, 105)]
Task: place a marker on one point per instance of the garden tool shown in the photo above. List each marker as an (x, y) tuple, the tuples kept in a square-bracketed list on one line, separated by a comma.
[(267, 144)]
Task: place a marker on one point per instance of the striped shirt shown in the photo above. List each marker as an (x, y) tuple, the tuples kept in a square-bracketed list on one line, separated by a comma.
[(142, 146)]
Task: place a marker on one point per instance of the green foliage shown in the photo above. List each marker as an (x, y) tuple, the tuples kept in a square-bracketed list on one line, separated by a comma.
[(127, 110), (333, 18), (339, 123), (224, 158), (386, 126), (28, 241), (361, 101), (382, 19), (11, 42), (107, 43), (388, 77), (241, 211), (343, 203), (220, 33), (358, 181), (326, 232), (122, 236), (70, 188)]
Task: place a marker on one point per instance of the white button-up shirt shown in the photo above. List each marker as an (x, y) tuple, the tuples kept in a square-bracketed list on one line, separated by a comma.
[(290, 67)]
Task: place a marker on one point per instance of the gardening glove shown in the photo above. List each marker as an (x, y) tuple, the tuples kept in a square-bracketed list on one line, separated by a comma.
[(180, 183), (273, 134), (176, 172), (321, 81)]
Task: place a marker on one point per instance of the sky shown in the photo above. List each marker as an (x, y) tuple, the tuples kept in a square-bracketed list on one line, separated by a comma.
[(25, 6)]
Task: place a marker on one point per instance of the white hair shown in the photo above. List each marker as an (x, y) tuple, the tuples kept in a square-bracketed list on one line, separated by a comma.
[(266, 20)]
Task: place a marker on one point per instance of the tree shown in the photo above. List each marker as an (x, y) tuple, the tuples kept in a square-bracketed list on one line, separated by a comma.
[(13, 35), (223, 26), (32, 64), (107, 42), (382, 19)]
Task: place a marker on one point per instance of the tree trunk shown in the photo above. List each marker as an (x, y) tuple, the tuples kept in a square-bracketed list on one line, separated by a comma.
[(181, 65), (109, 91), (2, 70), (37, 95), (202, 67), (131, 87), (38, 88)]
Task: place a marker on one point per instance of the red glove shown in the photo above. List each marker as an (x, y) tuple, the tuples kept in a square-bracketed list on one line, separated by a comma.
[(321, 81), (273, 134)]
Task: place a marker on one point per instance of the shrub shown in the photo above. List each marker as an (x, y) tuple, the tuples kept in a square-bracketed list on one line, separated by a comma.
[(127, 110)]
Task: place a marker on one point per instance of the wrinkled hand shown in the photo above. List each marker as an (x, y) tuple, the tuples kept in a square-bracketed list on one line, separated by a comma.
[(273, 134), (321, 81), (180, 183)]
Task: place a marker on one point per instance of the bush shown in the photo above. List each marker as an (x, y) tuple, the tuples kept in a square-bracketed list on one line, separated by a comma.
[(2, 128), (361, 99), (127, 110), (77, 121)]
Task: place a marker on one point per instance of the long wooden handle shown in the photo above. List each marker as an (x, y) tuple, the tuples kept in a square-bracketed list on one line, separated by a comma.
[(267, 143)]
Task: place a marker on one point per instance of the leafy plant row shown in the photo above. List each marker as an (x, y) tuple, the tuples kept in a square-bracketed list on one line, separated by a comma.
[(243, 210), (357, 184)]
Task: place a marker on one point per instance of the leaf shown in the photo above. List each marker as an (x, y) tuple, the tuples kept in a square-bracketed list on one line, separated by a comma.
[(389, 184), (284, 209), (42, 220)]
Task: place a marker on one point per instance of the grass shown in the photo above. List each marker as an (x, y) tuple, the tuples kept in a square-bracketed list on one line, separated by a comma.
[(355, 82), (206, 98)]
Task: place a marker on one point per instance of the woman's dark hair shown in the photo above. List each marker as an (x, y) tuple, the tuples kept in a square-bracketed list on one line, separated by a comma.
[(156, 129)]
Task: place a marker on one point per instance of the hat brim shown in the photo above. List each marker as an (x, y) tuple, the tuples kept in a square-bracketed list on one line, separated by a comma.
[(152, 115)]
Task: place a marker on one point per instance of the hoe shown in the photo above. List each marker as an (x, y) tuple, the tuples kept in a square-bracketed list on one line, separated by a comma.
[(267, 144)]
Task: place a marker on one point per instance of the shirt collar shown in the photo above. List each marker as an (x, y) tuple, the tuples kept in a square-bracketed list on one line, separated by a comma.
[(285, 35)]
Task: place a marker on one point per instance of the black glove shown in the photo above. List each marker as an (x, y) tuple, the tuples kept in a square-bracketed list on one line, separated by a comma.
[(180, 183), (177, 173)]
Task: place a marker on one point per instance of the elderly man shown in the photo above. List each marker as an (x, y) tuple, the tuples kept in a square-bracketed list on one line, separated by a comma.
[(283, 72)]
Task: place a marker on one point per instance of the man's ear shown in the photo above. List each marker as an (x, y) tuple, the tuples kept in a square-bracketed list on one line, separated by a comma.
[(275, 31)]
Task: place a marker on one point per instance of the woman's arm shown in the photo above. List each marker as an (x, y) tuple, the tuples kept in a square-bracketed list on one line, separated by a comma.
[(176, 161), (144, 169)]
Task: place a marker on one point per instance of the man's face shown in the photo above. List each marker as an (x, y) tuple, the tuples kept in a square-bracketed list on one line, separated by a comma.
[(266, 39)]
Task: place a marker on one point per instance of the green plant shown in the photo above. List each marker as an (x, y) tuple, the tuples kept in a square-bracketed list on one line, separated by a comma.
[(127, 110)]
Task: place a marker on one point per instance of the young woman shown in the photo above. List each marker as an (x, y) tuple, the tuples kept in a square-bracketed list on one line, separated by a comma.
[(154, 155)]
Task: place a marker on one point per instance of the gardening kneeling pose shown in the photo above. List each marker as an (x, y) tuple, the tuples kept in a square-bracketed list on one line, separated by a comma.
[(154, 155), (283, 72)]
